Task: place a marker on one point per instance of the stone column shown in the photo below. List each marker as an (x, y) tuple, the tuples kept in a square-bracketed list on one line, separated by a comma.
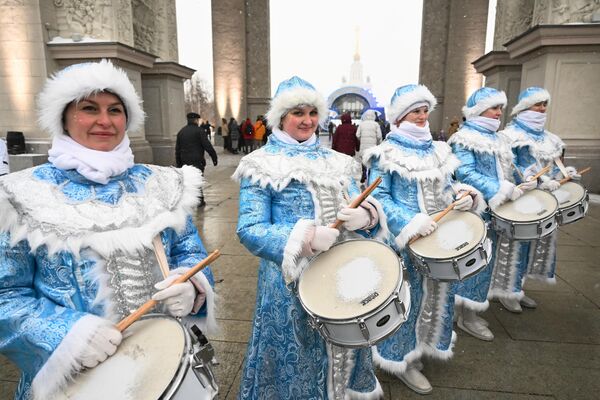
[(513, 17), (258, 59), (162, 86), (459, 44), (23, 71)]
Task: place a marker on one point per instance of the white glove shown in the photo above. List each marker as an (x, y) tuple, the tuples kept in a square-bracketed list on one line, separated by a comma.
[(572, 172), (178, 298), (550, 185), (354, 218), (464, 204), (516, 193), (428, 226), (101, 345), (323, 238), (529, 184)]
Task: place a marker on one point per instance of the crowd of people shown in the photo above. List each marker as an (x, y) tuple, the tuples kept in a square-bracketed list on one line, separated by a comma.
[(78, 234)]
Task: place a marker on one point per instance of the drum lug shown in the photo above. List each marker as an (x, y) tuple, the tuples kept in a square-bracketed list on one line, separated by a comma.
[(399, 305), (483, 252), (512, 229), (456, 269), (364, 330), (539, 228)]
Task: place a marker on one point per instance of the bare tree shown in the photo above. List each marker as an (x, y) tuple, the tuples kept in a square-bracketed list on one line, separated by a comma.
[(199, 97)]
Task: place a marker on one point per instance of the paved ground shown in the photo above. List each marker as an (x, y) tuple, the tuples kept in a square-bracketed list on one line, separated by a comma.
[(549, 353)]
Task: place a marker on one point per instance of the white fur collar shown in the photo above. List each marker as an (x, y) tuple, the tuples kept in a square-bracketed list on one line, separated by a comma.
[(550, 148), (322, 167), (409, 164), (37, 211), (481, 143)]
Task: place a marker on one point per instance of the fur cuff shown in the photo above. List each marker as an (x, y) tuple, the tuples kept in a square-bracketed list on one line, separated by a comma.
[(504, 295), (438, 354), (63, 363), (394, 367), (476, 306), (479, 204), (503, 194), (412, 229), (293, 264), (383, 233)]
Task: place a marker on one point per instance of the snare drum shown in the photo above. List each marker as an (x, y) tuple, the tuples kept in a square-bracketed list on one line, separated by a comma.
[(159, 359), (355, 294), (573, 200), (457, 249), (531, 216)]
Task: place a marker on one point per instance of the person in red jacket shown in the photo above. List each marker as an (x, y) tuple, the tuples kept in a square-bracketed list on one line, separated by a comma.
[(344, 138), (248, 135)]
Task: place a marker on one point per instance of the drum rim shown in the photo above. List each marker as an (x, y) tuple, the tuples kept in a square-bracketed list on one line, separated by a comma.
[(476, 246), (579, 201), (526, 222), (396, 288), (475, 249)]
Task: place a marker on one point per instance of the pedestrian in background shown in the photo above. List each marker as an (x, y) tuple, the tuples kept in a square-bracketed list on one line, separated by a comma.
[(344, 138)]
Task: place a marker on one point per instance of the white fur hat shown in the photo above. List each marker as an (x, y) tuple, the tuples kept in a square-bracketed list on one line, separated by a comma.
[(408, 97), (482, 99), (529, 97), (78, 81), (291, 93)]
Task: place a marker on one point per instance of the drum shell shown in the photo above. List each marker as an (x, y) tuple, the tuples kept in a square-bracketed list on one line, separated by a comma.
[(574, 212), (347, 332), (457, 269), (524, 230)]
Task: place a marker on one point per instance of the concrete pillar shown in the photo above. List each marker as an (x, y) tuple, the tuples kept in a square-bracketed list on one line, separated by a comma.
[(241, 60), (513, 17), (459, 44), (162, 86)]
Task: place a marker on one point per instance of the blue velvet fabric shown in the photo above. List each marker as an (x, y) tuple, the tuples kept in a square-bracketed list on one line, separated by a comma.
[(43, 295), (285, 359)]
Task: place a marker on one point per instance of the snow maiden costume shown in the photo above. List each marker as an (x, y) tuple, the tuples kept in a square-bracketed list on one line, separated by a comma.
[(416, 177), (534, 148), (486, 163), (288, 190), (76, 254)]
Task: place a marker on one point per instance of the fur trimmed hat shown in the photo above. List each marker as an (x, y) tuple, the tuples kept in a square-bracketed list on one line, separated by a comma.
[(482, 99), (77, 82), (291, 93), (530, 96), (408, 97)]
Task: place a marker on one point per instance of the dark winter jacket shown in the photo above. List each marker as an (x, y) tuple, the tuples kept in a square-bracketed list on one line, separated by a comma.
[(191, 144), (344, 138)]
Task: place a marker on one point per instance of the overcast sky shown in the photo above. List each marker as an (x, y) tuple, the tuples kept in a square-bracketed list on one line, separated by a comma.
[(318, 42)]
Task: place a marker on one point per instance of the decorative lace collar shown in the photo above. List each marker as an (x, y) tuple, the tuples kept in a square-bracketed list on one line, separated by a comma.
[(544, 147), (481, 142)]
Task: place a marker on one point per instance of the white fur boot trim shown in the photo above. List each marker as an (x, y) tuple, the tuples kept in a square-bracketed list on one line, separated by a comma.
[(470, 304), (394, 367), (438, 354), (377, 393), (292, 264), (63, 363)]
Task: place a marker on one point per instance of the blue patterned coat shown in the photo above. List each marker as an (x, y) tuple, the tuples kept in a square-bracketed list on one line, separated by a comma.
[(69, 247), (285, 190), (416, 181)]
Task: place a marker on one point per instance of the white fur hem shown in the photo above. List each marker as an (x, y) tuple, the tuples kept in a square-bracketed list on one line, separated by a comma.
[(412, 229), (489, 102), (438, 354), (504, 295), (377, 393), (63, 364), (470, 304), (402, 104), (479, 204), (395, 367), (503, 194), (291, 98), (537, 97), (292, 264)]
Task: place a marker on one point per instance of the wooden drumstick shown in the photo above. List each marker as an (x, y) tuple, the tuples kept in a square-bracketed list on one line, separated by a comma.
[(361, 197), (568, 178), (442, 214), (147, 306), (536, 176), (161, 257)]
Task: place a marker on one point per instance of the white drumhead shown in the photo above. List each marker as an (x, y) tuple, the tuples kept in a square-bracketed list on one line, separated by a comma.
[(569, 193), (534, 205), (141, 369), (350, 279), (457, 233)]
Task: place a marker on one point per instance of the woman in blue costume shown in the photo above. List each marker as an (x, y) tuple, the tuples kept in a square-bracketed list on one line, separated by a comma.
[(416, 177), (486, 163), (534, 148), (76, 253), (290, 190)]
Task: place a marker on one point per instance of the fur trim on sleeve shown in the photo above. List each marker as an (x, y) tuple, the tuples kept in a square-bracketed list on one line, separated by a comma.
[(293, 264), (503, 194), (63, 363), (383, 233), (412, 229), (479, 204)]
